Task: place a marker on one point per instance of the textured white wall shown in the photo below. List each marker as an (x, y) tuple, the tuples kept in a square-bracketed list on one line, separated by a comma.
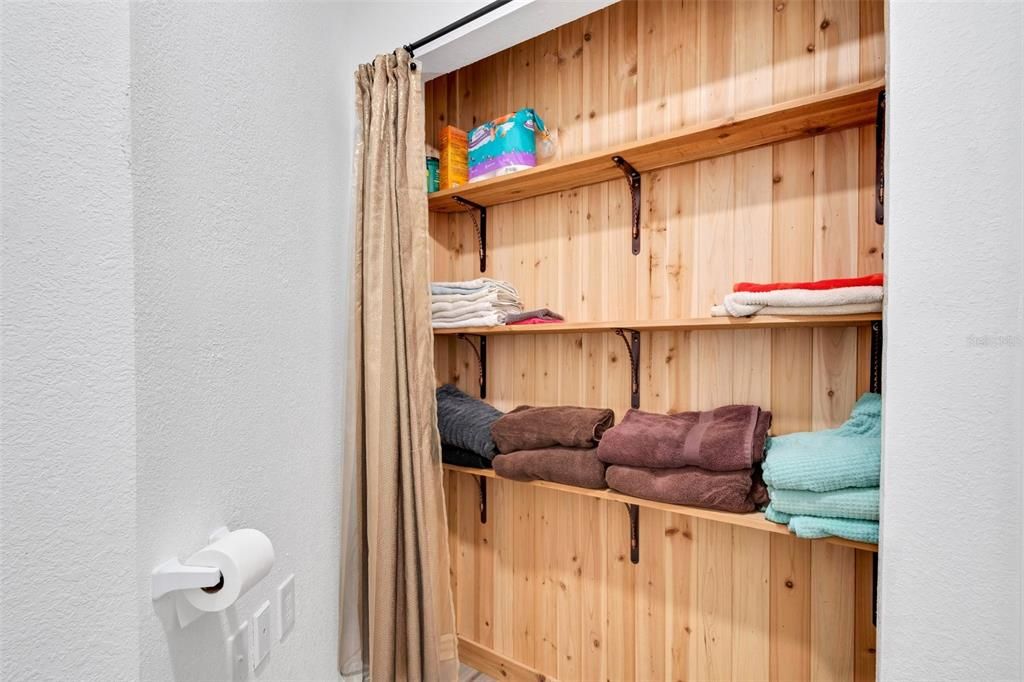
[(241, 224), (950, 598), (67, 419), (67, 415)]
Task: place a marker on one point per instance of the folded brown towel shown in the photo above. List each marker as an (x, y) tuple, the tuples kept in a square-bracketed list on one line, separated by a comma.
[(532, 428), (728, 438), (572, 466), (731, 491)]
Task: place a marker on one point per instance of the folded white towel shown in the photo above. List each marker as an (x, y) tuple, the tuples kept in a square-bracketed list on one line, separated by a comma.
[(444, 308), (465, 296), (484, 320), (457, 316), (472, 285), (745, 303), (848, 309)]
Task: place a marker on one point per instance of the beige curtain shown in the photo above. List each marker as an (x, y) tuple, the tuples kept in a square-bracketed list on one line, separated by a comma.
[(397, 619)]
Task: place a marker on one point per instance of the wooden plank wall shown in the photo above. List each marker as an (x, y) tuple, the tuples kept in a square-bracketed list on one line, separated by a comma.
[(547, 581)]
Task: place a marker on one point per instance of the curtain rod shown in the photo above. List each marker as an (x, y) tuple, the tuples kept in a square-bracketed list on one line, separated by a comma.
[(459, 23)]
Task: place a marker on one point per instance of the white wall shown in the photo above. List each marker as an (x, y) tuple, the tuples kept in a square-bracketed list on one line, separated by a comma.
[(950, 595), (241, 225), (67, 413)]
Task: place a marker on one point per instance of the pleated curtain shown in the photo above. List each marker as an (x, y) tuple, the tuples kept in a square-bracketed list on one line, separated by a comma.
[(397, 621)]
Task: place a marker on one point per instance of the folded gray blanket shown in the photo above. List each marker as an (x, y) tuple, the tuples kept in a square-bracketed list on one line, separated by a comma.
[(572, 466), (465, 422)]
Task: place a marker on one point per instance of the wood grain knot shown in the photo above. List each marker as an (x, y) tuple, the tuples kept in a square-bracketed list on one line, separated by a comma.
[(587, 37), (789, 584), (779, 7), (777, 179), (825, 23), (810, 48)]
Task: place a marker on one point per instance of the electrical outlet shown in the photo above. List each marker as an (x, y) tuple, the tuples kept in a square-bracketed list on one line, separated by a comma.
[(286, 605), (238, 654), (260, 634)]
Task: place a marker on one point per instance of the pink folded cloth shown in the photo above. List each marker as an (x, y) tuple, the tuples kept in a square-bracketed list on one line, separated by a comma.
[(727, 438), (535, 316), (536, 320), (731, 491)]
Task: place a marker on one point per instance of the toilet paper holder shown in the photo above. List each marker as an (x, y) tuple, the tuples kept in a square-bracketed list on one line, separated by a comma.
[(172, 575)]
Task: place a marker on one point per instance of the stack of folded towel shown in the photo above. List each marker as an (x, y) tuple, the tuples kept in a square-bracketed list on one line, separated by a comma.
[(555, 444), (848, 296), (826, 482), (703, 459), (477, 303), (465, 427)]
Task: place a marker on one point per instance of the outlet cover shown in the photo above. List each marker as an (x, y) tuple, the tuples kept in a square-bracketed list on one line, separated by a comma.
[(260, 634), (238, 654), (286, 605)]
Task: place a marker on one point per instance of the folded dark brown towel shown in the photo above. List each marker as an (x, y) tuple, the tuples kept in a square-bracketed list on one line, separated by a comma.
[(532, 428), (463, 458), (731, 491), (728, 438), (572, 466)]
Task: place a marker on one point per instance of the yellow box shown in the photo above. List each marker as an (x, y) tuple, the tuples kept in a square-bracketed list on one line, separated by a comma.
[(454, 157)]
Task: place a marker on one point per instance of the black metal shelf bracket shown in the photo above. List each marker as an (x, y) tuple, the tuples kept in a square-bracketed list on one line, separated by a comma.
[(874, 589), (634, 532), (480, 226), (481, 359), (633, 350), (481, 483), (633, 180), (875, 380), (880, 159)]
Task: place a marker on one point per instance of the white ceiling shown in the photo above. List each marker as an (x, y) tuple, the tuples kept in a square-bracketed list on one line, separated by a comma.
[(502, 28)]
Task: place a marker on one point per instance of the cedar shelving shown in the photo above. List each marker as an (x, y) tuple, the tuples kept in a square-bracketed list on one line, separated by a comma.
[(552, 566), (691, 324), (826, 112), (754, 520), (634, 328)]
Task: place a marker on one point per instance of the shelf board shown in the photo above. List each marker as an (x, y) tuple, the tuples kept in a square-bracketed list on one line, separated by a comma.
[(754, 520), (847, 107), (682, 324)]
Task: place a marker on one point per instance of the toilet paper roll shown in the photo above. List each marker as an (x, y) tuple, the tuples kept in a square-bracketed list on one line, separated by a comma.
[(243, 556)]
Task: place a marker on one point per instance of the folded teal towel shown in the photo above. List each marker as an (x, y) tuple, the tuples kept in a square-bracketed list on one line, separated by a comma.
[(846, 457), (848, 503), (812, 527)]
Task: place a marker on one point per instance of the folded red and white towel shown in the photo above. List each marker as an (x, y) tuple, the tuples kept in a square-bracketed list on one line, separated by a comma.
[(850, 309), (875, 280), (746, 303)]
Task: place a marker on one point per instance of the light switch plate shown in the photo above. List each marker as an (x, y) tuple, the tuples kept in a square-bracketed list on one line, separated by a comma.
[(260, 634), (238, 654), (286, 605)]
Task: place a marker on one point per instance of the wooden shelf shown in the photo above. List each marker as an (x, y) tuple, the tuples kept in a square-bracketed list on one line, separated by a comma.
[(848, 107), (691, 324), (754, 520)]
